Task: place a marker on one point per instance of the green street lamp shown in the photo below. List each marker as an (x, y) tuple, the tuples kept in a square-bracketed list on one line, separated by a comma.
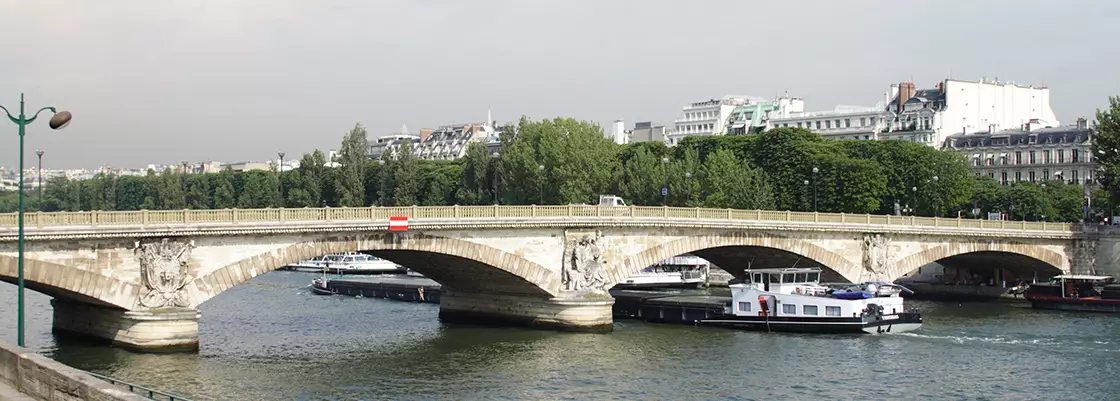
[(58, 121)]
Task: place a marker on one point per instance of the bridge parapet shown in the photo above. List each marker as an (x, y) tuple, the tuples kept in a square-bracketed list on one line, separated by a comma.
[(100, 220)]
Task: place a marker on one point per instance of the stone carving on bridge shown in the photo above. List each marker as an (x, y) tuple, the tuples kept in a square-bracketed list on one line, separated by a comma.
[(1084, 258), (876, 254), (584, 270), (163, 273)]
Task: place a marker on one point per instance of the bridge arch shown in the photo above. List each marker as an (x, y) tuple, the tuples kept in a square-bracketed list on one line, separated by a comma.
[(708, 246), (69, 282), (456, 264), (1047, 259)]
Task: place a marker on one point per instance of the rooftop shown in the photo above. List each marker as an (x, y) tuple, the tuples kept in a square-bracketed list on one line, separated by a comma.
[(1056, 135)]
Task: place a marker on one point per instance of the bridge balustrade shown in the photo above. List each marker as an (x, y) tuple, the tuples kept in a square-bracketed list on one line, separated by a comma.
[(273, 215)]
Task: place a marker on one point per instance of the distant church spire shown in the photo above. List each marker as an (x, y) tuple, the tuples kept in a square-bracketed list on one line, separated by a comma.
[(489, 118)]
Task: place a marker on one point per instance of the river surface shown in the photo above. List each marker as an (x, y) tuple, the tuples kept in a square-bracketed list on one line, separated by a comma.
[(270, 339)]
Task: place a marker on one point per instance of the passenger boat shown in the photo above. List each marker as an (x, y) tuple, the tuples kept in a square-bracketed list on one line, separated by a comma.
[(1076, 292), (793, 299), (685, 271), (348, 263)]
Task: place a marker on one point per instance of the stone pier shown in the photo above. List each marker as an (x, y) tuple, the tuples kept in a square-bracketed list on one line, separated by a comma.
[(588, 313), (157, 330)]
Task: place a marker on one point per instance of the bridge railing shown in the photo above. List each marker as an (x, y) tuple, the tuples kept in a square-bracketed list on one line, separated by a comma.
[(235, 216)]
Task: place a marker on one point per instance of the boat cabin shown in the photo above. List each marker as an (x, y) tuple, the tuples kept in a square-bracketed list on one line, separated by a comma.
[(797, 292), (1072, 286)]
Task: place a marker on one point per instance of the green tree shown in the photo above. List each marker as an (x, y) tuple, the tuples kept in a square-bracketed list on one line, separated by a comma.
[(353, 156), (473, 183), (406, 177), (1106, 146), (224, 193), (198, 192), (259, 190)]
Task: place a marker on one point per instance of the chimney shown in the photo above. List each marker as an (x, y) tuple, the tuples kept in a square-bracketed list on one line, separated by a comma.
[(905, 92), (1082, 123)]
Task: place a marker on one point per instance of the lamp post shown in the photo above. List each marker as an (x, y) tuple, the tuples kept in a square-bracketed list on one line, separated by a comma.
[(280, 177), (815, 171), (665, 189), (936, 198), (58, 121), (806, 193), (540, 182), (497, 189), (381, 174), (914, 198), (688, 187), (40, 188)]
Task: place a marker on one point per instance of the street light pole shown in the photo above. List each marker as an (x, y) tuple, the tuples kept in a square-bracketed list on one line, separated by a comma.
[(688, 187), (815, 171), (58, 121), (280, 177), (665, 189), (497, 188), (540, 182), (936, 198), (40, 154), (914, 199)]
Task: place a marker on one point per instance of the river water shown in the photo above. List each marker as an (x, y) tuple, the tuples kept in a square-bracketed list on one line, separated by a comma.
[(270, 339)]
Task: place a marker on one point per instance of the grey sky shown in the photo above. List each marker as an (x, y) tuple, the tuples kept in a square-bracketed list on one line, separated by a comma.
[(166, 81)]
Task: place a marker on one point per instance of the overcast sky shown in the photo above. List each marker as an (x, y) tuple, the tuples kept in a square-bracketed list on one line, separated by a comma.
[(167, 81)]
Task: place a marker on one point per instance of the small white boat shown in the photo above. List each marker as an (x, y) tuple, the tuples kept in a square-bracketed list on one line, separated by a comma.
[(320, 286), (348, 263), (793, 299), (685, 271)]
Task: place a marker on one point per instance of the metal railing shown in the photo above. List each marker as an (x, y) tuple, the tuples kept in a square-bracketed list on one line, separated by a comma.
[(141, 390), (382, 214)]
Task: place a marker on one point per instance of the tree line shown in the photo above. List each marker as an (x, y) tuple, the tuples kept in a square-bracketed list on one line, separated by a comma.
[(564, 161)]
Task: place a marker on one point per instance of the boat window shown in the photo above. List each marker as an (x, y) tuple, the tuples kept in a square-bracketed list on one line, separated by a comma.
[(832, 311), (757, 278), (814, 277), (787, 278), (744, 306), (348, 259), (810, 310), (799, 277), (789, 309), (775, 278)]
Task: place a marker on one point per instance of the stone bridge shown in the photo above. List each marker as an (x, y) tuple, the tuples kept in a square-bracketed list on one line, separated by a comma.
[(137, 278)]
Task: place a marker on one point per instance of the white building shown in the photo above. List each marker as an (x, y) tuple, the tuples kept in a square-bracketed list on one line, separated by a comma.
[(647, 132), (959, 107), (708, 117), (451, 141)]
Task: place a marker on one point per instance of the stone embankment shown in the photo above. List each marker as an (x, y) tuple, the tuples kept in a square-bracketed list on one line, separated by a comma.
[(26, 375)]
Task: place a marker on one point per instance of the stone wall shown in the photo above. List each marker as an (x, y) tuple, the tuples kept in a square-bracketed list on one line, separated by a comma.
[(44, 379)]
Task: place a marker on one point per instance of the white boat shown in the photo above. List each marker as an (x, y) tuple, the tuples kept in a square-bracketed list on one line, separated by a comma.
[(685, 271), (793, 299), (348, 263)]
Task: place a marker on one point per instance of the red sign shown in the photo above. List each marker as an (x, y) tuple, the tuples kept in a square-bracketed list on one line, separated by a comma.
[(398, 223)]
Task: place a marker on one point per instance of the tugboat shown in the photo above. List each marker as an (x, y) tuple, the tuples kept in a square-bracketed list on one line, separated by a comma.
[(793, 300), (1076, 292), (319, 286)]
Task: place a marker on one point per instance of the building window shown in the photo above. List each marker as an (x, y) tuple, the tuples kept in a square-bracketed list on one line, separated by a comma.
[(1018, 157), (872, 120), (1046, 174), (1003, 160), (976, 161), (818, 124), (744, 306), (1030, 157), (1003, 178), (1074, 156), (837, 123), (1018, 176), (1031, 176), (862, 121), (991, 175), (1061, 156), (799, 124), (1076, 180), (832, 311), (847, 124), (827, 124), (810, 310), (785, 124), (1046, 156), (789, 309)]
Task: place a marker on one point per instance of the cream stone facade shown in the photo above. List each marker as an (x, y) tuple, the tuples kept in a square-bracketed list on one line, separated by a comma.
[(140, 284)]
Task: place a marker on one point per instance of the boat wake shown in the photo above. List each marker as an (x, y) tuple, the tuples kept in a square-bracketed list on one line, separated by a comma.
[(1007, 340)]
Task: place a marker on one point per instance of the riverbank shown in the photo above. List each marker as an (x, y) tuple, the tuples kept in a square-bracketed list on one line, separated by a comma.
[(36, 377)]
